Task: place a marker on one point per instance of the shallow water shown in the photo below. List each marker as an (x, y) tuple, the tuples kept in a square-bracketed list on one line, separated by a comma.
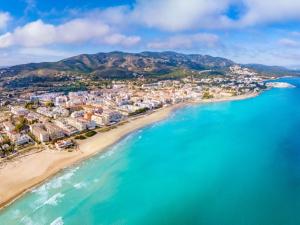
[(230, 163)]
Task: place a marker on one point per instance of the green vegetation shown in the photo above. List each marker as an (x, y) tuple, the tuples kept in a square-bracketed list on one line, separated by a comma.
[(7, 151), (176, 74), (6, 141), (90, 133), (77, 86), (21, 123), (80, 72), (29, 105), (80, 137), (33, 138), (139, 111), (234, 93), (207, 95), (49, 104), (104, 129)]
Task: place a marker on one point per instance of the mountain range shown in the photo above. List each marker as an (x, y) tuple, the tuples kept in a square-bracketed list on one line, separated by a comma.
[(122, 65)]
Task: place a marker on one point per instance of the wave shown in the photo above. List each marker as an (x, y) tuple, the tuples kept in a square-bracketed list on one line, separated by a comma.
[(55, 183), (57, 221), (54, 199), (79, 185), (27, 221)]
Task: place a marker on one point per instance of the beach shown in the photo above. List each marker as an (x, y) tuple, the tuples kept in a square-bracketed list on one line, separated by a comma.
[(23, 173)]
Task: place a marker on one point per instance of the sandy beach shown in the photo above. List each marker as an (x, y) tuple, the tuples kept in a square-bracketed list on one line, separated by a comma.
[(23, 173)]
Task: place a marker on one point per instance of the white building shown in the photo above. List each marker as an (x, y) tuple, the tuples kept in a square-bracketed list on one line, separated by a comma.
[(45, 111), (78, 124), (19, 111), (54, 131), (61, 100), (77, 114), (38, 131), (67, 128)]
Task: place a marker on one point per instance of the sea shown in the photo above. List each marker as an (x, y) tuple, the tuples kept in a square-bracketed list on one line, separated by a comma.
[(226, 163)]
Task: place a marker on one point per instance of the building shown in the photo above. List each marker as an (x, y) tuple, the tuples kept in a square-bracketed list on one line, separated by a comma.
[(78, 124), (60, 112), (8, 126), (107, 117), (98, 119), (32, 117), (45, 111), (38, 131), (20, 139), (63, 144), (19, 111), (67, 128), (54, 131), (60, 100), (77, 114), (90, 125)]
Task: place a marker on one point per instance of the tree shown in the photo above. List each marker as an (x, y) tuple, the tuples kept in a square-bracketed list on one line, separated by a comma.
[(207, 95), (29, 105), (20, 124), (139, 111), (49, 104)]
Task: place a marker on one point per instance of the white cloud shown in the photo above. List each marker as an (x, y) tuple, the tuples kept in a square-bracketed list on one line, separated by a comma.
[(286, 42), (186, 42), (122, 39), (295, 33), (270, 11), (175, 15), (38, 33), (4, 19), (9, 57), (179, 15)]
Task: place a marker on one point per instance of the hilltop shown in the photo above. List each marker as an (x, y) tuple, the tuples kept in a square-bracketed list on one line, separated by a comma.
[(122, 65)]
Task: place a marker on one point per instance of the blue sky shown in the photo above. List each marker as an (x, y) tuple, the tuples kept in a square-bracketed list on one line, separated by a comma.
[(246, 31)]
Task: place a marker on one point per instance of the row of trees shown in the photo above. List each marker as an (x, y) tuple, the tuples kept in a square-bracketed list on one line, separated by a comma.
[(139, 111)]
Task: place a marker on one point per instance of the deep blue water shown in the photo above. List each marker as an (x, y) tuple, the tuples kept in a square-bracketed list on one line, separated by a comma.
[(230, 163)]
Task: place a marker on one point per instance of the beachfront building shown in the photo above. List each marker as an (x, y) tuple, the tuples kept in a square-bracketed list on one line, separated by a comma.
[(111, 117), (90, 125), (127, 109), (67, 128), (98, 120), (39, 132), (54, 131), (78, 124), (19, 139), (63, 144)]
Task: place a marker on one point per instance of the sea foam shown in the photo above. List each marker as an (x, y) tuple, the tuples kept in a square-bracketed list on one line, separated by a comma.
[(57, 221)]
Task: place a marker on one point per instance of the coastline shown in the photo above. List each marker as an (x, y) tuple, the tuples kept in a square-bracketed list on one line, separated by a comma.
[(24, 173)]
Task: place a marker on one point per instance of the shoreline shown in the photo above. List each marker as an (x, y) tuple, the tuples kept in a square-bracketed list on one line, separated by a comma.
[(22, 174)]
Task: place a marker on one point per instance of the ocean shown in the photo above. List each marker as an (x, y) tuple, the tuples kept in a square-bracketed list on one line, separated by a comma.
[(227, 163)]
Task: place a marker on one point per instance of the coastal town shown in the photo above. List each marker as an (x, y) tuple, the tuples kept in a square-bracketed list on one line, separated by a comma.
[(58, 120), (149, 112)]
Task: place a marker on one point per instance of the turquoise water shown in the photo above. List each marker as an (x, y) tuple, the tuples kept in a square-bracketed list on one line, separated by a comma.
[(231, 163)]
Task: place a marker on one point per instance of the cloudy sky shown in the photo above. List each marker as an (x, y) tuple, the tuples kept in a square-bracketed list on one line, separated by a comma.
[(246, 31)]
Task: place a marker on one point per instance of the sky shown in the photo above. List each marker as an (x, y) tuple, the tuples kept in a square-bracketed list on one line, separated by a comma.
[(246, 31)]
